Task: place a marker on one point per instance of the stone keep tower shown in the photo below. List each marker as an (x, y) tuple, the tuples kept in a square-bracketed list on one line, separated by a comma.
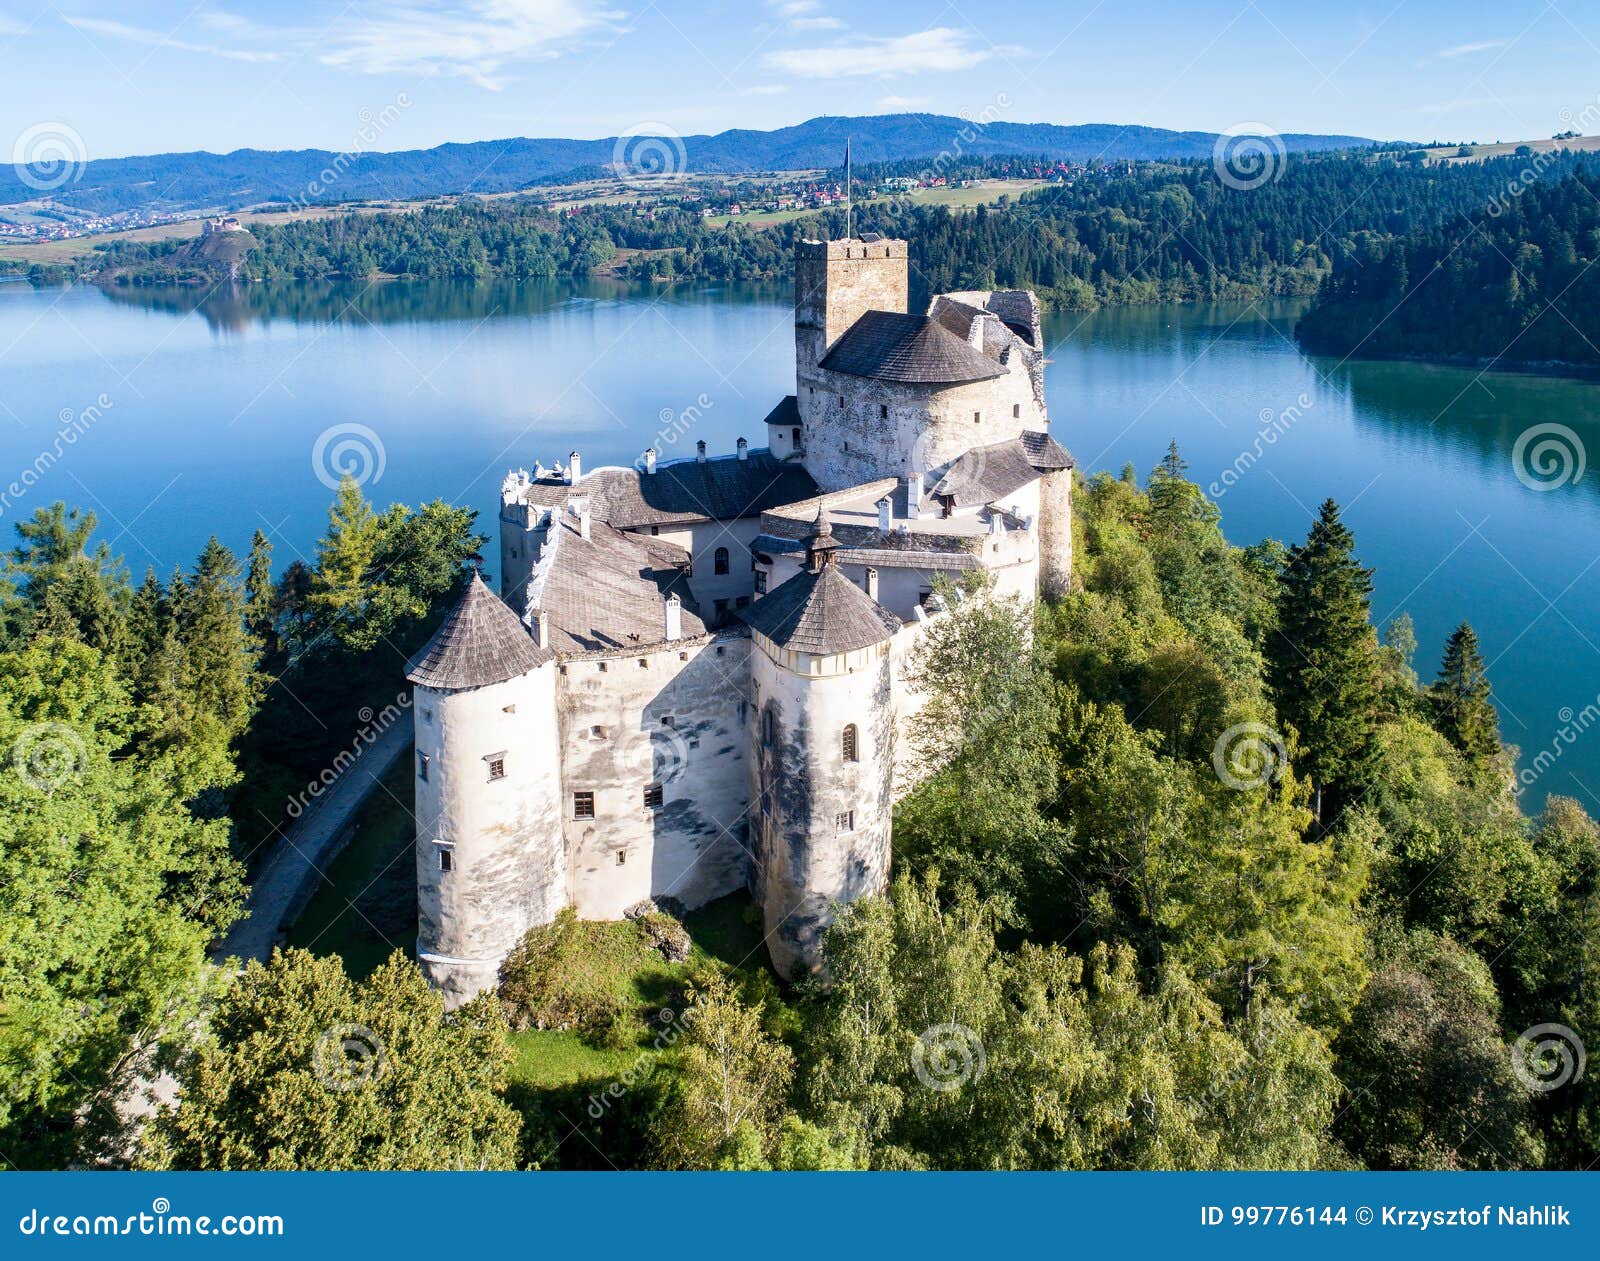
[(490, 857), (824, 766)]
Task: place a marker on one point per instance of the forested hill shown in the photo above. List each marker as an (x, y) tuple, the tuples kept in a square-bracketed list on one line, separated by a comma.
[(1163, 232), (1512, 283), (251, 176)]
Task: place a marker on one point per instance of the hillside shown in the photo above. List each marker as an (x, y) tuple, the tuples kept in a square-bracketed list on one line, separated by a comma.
[(1511, 285), (251, 176)]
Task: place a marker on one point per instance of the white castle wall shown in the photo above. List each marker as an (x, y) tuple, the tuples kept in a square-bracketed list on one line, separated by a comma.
[(614, 743), (806, 863), (508, 861)]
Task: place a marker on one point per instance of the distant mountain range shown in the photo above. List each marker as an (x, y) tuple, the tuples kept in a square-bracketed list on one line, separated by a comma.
[(245, 177)]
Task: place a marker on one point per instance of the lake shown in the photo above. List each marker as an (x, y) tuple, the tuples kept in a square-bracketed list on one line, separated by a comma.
[(183, 421)]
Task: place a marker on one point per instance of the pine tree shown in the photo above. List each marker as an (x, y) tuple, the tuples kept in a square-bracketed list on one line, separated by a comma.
[(1462, 712), (1321, 657), (344, 559), (259, 593)]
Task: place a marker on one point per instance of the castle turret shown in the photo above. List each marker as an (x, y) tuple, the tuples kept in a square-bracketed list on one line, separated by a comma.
[(824, 736), (489, 852)]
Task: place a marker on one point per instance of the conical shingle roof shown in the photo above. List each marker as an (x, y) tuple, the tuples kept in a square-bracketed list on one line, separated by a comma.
[(821, 611), (911, 349), (481, 641)]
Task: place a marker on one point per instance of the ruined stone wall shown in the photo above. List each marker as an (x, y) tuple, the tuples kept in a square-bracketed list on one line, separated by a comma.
[(508, 864), (808, 858), (616, 740), (1055, 534)]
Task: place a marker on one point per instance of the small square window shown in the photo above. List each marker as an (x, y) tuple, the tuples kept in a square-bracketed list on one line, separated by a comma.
[(655, 531), (667, 720), (644, 663), (583, 805), (622, 858), (597, 733), (447, 858), (427, 715), (497, 765), (977, 417), (601, 666), (846, 821), (422, 767), (654, 797)]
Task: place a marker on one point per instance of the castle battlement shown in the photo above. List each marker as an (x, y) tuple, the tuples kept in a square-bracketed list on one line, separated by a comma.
[(691, 683)]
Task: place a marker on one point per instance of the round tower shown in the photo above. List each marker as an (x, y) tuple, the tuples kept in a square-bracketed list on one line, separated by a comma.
[(824, 739), (490, 857)]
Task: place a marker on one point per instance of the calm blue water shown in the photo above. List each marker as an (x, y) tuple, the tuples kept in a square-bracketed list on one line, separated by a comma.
[(215, 414)]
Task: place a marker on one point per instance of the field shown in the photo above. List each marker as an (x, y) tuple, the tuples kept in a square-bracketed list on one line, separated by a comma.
[(984, 192), (1447, 155)]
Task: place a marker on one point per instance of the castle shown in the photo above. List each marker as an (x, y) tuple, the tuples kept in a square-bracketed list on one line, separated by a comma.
[(692, 680)]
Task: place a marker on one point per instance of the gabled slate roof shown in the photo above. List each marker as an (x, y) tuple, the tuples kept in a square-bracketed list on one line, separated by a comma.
[(821, 611), (985, 475), (685, 490), (785, 413), (1044, 451), (480, 641), (911, 349)]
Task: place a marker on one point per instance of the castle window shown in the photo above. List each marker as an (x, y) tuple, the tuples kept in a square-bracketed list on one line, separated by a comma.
[(601, 666), (667, 720), (654, 797), (767, 729), (513, 553), (796, 436), (447, 856), (841, 400), (977, 418), (1016, 410), (883, 411), (761, 582), (598, 733), (427, 715), (719, 562), (622, 858), (846, 821), (508, 709), (583, 805), (683, 656), (422, 767), (497, 765), (850, 744), (655, 531), (644, 663), (720, 615)]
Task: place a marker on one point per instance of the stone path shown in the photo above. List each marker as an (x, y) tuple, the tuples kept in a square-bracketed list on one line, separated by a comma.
[(286, 880)]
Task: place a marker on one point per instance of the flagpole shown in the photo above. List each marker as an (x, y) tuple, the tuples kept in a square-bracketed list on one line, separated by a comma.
[(847, 203)]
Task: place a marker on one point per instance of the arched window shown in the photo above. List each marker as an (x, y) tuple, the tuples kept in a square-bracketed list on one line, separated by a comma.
[(766, 728), (719, 560), (850, 745)]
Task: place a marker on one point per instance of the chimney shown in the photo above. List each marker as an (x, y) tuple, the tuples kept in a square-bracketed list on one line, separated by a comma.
[(700, 450), (650, 460), (997, 522), (872, 582), (583, 522), (884, 506), (744, 449), (541, 628), (674, 617), (914, 495), (574, 468)]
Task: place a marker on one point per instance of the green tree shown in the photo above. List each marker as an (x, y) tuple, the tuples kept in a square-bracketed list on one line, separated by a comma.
[(340, 584), (1323, 670), (259, 595), (303, 1069), (1460, 698)]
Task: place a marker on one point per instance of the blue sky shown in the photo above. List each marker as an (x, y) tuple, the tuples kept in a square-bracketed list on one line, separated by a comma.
[(145, 76)]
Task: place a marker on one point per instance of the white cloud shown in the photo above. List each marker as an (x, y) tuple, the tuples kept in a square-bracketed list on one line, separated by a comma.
[(940, 48), (816, 24), (766, 89), (161, 39), (900, 102), (1466, 50)]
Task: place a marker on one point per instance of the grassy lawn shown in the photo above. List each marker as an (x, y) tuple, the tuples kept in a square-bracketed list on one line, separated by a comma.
[(365, 907)]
